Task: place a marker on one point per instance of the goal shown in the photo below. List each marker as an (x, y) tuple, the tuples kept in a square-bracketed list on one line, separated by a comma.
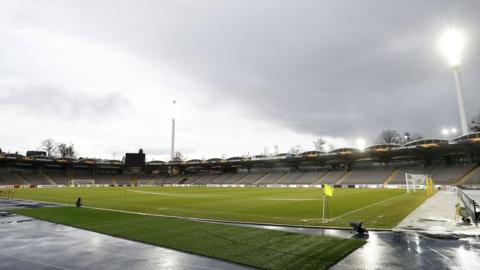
[(414, 181), (149, 182), (82, 182)]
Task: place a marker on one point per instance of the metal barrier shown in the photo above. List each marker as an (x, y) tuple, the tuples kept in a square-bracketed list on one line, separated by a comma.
[(470, 204)]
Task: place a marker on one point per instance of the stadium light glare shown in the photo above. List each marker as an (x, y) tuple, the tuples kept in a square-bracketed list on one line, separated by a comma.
[(445, 131), (451, 44), (361, 143), (453, 130)]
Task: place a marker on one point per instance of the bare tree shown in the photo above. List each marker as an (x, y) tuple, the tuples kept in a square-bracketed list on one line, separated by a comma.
[(266, 151), (410, 137), (475, 123), (320, 144), (178, 156), (297, 149), (276, 150), (393, 137), (66, 151), (389, 136), (330, 147), (49, 146)]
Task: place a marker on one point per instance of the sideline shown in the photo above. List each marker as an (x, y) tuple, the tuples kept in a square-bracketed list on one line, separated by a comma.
[(226, 222)]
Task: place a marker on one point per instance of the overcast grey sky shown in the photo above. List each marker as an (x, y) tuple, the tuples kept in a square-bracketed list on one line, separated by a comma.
[(245, 74)]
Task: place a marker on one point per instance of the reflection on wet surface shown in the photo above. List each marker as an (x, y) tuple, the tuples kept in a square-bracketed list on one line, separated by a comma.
[(401, 250), (14, 203), (42, 245), (26, 243)]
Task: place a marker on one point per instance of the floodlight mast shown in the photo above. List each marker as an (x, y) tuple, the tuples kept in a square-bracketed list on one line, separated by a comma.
[(172, 145), (451, 44), (461, 100)]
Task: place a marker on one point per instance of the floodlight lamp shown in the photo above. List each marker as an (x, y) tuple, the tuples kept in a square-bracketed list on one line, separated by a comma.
[(453, 131), (361, 143), (445, 131), (451, 44)]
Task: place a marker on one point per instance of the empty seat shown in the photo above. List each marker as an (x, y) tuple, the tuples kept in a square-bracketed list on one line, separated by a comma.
[(367, 176), (309, 178), (251, 178), (271, 178), (289, 178)]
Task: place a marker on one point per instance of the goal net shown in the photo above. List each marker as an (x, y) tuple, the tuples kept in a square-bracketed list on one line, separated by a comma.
[(415, 181), (148, 182), (82, 182)]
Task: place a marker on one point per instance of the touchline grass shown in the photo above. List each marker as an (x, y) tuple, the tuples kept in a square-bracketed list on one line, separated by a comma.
[(379, 208), (266, 249)]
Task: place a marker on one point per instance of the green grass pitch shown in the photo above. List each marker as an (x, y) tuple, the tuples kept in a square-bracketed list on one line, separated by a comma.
[(379, 208), (266, 249)]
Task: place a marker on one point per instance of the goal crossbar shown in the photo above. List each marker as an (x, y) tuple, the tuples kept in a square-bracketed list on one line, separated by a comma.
[(82, 182)]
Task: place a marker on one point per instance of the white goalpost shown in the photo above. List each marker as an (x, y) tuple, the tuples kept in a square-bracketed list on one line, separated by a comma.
[(82, 182), (149, 182), (414, 181)]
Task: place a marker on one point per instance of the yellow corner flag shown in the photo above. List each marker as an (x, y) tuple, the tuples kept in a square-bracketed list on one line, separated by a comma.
[(328, 190)]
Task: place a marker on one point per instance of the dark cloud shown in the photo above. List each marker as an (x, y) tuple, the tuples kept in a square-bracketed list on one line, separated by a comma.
[(58, 103), (340, 68)]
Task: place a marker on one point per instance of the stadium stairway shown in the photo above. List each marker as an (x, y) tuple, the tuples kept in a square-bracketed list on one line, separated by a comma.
[(205, 179), (391, 176), (22, 178), (321, 179), (474, 171), (339, 181), (182, 180), (261, 178), (235, 178), (48, 178), (288, 178), (281, 178), (251, 178), (271, 178)]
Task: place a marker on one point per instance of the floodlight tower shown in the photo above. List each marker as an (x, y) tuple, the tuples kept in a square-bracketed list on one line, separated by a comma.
[(452, 44), (172, 145)]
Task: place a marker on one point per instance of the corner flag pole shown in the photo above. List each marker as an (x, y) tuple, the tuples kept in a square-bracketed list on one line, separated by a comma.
[(323, 212), (327, 192)]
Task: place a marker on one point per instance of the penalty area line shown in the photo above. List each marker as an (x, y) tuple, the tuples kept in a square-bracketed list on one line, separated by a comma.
[(176, 194), (367, 206)]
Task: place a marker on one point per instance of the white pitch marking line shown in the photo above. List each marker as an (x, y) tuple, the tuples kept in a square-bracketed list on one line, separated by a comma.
[(279, 199), (176, 194), (366, 206), (439, 253)]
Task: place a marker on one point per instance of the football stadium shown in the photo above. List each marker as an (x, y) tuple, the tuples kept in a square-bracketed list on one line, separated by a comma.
[(152, 117), (220, 207)]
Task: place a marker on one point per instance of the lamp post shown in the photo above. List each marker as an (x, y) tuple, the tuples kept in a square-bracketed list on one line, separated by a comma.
[(172, 145), (451, 44)]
